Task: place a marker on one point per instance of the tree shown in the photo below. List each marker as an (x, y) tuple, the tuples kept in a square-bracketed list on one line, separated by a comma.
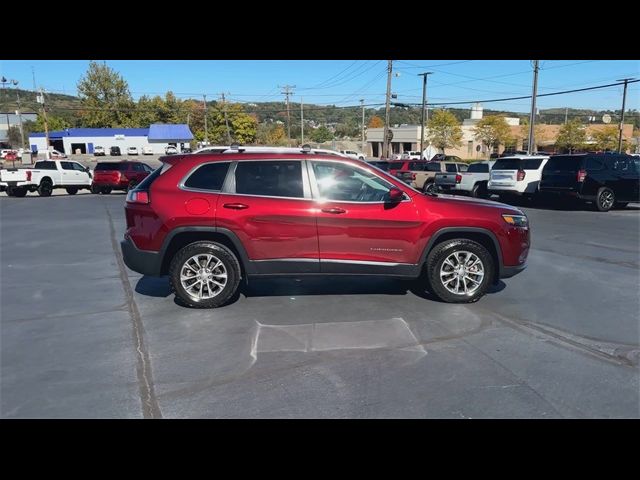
[(493, 130), (53, 123), (539, 133), (321, 134), (444, 130), (375, 122), (606, 139), (105, 98), (271, 134), (572, 135), (14, 137)]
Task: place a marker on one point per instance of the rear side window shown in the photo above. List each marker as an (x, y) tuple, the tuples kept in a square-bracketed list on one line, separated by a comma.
[(417, 166), (531, 163), (507, 164), (113, 166), (564, 163), (270, 179), (451, 167), (208, 177), (433, 167), (46, 165), (478, 168), (66, 165), (593, 164)]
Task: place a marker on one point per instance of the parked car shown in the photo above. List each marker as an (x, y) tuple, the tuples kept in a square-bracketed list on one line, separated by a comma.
[(472, 182), (411, 156), (516, 176), (98, 151), (423, 175), (399, 167), (170, 150), (124, 175), (45, 176), (209, 221), (353, 154), (147, 150), (132, 151), (607, 180), (115, 151), (451, 180), (6, 151), (382, 165), (56, 155), (441, 157)]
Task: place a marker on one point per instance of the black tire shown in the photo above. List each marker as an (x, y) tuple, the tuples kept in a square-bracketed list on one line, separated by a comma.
[(229, 262), (19, 192), (11, 191), (429, 187), (441, 252), (45, 189), (605, 199), (621, 205), (105, 190), (132, 184), (72, 190), (95, 189), (480, 190)]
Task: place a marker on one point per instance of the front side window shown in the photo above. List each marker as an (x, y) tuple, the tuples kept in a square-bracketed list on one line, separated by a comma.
[(270, 178), (77, 166), (208, 177), (346, 183)]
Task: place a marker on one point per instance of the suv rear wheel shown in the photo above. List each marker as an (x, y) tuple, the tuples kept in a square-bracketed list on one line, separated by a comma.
[(429, 187), (605, 199), (460, 270), (204, 274)]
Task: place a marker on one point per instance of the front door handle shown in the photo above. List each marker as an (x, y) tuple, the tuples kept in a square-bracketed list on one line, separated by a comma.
[(235, 206), (334, 210)]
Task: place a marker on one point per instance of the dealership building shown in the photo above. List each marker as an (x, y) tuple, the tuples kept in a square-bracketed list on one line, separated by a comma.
[(84, 140)]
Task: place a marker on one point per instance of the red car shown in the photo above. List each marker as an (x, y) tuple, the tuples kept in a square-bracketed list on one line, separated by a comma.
[(123, 175), (397, 166), (210, 220)]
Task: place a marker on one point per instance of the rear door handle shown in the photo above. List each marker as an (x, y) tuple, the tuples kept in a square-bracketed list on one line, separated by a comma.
[(334, 210), (235, 206)]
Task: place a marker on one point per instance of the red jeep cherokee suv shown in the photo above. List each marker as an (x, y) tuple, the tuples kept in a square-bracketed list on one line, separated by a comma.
[(209, 220), (123, 175)]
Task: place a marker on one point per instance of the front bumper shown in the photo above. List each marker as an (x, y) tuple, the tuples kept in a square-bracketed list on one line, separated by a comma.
[(141, 261)]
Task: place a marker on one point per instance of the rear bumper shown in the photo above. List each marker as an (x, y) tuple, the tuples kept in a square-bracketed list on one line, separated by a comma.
[(141, 261), (113, 186)]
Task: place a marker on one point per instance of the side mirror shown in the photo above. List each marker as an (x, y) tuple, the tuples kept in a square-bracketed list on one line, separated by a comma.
[(395, 195)]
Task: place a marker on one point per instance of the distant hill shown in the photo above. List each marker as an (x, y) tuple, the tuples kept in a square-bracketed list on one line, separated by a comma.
[(67, 106)]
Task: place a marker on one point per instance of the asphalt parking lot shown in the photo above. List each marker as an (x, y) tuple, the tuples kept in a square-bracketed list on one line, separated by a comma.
[(82, 336)]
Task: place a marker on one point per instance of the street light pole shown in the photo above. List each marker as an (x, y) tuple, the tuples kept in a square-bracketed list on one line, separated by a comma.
[(362, 145), (387, 112), (624, 100), (424, 102)]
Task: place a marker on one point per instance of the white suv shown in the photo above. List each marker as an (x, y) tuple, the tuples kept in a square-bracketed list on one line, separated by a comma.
[(517, 175), (411, 156)]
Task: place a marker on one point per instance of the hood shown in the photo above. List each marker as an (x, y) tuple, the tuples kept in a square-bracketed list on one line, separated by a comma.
[(469, 201)]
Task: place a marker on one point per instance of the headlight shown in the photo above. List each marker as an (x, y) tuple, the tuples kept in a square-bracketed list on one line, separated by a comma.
[(516, 220)]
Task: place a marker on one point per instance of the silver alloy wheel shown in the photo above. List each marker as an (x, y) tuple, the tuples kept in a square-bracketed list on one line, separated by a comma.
[(462, 272), (606, 199), (203, 276)]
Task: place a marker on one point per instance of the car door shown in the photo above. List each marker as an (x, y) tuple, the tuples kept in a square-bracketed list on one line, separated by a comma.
[(358, 230), (81, 176), (267, 204), (628, 179), (67, 174)]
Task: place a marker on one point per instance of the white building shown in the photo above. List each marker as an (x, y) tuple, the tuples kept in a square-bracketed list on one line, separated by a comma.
[(84, 140)]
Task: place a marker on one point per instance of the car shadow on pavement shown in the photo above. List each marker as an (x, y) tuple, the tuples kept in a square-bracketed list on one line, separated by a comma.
[(296, 286)]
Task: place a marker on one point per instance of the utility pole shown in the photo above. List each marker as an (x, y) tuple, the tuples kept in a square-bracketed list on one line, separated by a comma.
[(362, 146), (226, 121), (19, 113), (206, 130), (624, 101), (44, 116), (424, 104), (532, 120), (301, 121), (287, 91), (566, 114), (385, 140)]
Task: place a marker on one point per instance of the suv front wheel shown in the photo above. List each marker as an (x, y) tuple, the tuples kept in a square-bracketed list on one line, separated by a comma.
[(459, 270), (204, 274)]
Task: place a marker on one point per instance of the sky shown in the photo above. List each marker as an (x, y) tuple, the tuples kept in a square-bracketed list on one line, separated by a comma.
[(345, 82)]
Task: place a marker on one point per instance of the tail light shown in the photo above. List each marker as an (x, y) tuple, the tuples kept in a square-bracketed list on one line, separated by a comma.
[(582, 174), (138, 196), (28, 175), (458, 178), (413, 176), (521, 175)]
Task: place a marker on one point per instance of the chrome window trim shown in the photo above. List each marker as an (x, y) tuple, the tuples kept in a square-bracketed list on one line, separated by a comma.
[(316, 192), (181, 183)]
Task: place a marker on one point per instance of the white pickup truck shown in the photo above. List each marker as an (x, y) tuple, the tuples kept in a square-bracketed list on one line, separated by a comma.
[(45, 176), (472, 181)]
